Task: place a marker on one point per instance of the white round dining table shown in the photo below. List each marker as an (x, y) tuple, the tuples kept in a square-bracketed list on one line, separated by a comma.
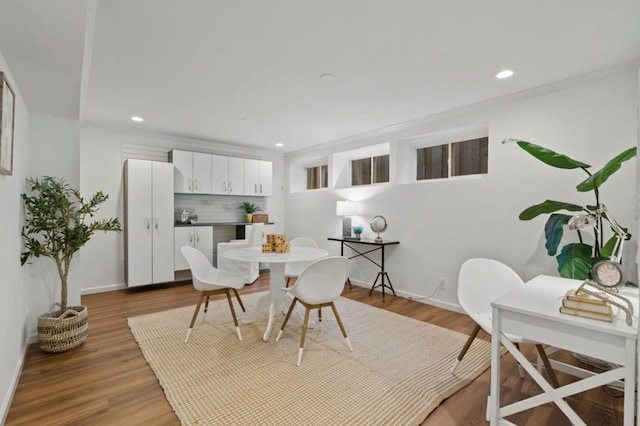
[(275, 299)]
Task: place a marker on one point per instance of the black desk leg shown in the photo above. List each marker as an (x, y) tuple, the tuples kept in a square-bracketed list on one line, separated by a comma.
[(382, 274)]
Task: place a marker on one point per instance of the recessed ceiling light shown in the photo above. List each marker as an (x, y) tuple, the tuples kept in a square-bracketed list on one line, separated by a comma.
[(327, 76), (504, 74), (137, 119), (279, 144), (244, 118)]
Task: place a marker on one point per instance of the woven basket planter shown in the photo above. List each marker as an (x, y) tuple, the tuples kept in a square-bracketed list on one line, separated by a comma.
[(62, 331)]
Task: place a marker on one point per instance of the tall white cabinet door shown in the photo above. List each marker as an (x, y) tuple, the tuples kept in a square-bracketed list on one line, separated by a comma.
[(251, 176), (201, 173), (183, 236), (162, 222), (138, 222), (236, 176), (265, 178), (219, 174), (183, 174), (203, 240)]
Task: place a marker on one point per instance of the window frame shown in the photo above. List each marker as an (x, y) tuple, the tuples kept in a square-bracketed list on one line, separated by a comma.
[(448, 138)]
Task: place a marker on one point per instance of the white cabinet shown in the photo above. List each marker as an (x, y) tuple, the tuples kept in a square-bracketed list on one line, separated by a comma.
[(192, 172), (200, 237), (148, 222), (227, 175), (258, 177)]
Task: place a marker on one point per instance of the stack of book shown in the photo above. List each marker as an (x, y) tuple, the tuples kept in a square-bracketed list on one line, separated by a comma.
[(585, 305)]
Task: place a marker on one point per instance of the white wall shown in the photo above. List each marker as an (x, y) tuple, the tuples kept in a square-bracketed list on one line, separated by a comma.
[(101, 160), (54, 144), (14, 332), (441, 223)]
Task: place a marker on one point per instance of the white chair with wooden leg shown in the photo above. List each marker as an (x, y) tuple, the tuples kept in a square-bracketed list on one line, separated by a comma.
[(480, 282), (318, 286), (209, 281), (294, 269), (249, 270)]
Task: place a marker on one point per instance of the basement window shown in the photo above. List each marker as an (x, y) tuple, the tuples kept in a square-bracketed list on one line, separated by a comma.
[(460, 158), (365, 171), (318, 177)]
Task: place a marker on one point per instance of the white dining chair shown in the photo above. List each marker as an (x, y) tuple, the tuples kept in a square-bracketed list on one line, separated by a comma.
[(209, 281), (294, 269), (318, 286), (481, 281), (249, 270)]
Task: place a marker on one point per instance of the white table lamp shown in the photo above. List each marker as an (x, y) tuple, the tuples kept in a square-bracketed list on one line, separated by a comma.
[(346, 209)]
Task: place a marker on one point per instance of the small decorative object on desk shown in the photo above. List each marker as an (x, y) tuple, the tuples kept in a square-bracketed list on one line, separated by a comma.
[(378, 224), (276, 243), (260, 218), (358, 230), (591, 300), (193, 218)]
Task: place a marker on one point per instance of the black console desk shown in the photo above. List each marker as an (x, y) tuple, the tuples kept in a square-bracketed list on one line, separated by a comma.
[(382, 275)]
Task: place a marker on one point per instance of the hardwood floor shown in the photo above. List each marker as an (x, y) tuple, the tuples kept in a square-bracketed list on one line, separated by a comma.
[(107, 381)]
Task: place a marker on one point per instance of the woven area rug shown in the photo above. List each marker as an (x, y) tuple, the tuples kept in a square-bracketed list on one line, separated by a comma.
[(397, 373)]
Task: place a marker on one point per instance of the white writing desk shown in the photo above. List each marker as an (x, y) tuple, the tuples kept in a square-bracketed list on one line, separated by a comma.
[(532, 312), (275, 299)]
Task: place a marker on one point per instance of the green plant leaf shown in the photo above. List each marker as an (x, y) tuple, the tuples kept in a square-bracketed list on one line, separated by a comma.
[(548, 206), (574, 261), (551, 158), (553, 231), (601, 176)]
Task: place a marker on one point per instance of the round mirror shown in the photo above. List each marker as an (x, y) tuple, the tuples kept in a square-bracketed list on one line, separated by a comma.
[(378, 224)]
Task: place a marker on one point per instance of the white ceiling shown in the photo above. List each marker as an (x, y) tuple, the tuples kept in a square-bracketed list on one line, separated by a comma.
[(195, 68)]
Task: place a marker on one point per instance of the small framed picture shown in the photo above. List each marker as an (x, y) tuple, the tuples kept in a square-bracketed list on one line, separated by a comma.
[(7, 110)]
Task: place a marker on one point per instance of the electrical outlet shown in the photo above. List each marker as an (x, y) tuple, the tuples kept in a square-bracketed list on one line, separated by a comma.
[(443, 283)]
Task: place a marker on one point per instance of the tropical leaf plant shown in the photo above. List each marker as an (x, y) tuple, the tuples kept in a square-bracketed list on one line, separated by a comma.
[(575, 259), (56, 226)]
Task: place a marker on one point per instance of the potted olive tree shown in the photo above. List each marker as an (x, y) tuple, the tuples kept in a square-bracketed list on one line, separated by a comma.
[(55, 227)]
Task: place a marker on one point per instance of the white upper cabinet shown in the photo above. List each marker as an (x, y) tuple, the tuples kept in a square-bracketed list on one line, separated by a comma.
[(192, 172), (236, 176), (227, 175), (258, 177), (265, 174)]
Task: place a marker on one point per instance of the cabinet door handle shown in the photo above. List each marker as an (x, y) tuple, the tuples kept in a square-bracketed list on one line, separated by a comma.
[(155, 221), (148, 223), (255, 188), (224, 186), (190, 236), (196, 185), (230, 188), (189, 186), (197, 237), (261, 188)]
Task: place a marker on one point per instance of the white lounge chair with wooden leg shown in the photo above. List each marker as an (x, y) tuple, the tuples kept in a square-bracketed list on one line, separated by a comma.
[(480, 282), (294, 269), (209, 281), (318, 286)]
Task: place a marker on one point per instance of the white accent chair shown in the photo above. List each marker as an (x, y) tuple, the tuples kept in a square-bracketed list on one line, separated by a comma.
[(209, 281), (481, 281), (294, 269), (249, 270), (318, 286)]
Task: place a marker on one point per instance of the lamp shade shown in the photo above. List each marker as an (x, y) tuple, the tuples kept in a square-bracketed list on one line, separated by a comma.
[(347, 208)]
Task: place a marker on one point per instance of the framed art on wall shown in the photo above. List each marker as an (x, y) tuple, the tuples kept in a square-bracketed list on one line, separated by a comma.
[(7, 109)]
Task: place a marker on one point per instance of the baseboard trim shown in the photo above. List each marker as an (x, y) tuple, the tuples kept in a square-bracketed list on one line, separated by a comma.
[(102, 289), (416, 297), (6, 403)]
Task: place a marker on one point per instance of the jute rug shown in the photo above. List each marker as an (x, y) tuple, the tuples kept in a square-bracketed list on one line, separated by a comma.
[(397, 373)]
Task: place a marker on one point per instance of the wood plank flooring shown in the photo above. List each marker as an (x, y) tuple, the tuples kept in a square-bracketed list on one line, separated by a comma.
[(107, 381)]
